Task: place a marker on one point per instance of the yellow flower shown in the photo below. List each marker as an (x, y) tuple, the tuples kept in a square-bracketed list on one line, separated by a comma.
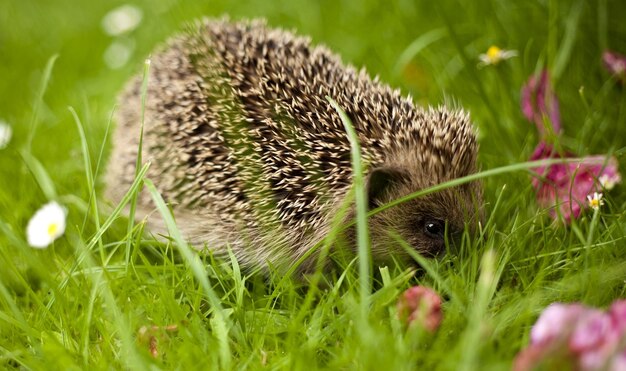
[(46, 225), (495, 55), (595, 201)]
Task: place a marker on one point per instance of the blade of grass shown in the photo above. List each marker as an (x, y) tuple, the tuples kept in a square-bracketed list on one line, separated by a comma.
[(485, 290), (565, 51), (134, 188), (34, 120), (221, 322), (492, 214), (417, 46), (133, 202), (360, 197), (93, 204), (40, 174), (107, 224)]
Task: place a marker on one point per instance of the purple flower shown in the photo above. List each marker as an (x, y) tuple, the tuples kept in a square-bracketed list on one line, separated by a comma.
[(421, 306), (594, 339), (615, 63), (549, 327), (578, 337), (565, 187), (539, 102)]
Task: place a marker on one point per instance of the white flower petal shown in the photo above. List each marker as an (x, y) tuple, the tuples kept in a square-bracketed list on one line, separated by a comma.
[(46, 225), (5, 134), (495, 55), (484, 59), (122, 20), (507, 54), (608, 182)]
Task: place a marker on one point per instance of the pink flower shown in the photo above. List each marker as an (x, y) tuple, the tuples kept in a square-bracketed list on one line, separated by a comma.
[(422, 306), (619, 362), (539, 102), (594, 340), (577, 336), (565, 187), (556, 317), (618, 314), (615, 63)]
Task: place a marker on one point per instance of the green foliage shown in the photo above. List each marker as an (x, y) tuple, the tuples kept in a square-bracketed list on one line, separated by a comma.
[(91, 299)]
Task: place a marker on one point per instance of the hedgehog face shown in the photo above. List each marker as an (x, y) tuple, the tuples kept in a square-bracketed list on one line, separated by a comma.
[(425, 223)]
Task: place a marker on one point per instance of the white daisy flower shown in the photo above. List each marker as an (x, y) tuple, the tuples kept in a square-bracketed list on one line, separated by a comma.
[(595, 201), (5, 134), (608, 182), (46, 225), (121, 20), (495, 55)]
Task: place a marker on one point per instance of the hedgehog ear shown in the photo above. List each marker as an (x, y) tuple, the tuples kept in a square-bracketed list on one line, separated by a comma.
[(380, 180)]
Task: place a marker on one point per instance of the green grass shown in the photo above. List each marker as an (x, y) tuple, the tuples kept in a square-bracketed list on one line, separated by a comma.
[(82, 303)]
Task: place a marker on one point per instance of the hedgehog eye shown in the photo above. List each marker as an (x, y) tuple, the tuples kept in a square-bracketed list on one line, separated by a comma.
[(434, 228)]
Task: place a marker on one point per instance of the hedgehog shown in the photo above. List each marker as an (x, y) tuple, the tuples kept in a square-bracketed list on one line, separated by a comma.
[(251, 157)]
